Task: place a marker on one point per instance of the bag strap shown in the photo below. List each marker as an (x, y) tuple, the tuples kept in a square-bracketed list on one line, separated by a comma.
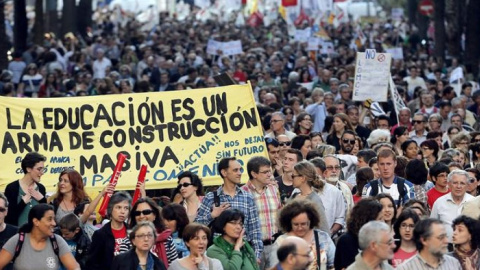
[(317, 248), (401, 190), (53, 241), (18, 247), (374, 184)]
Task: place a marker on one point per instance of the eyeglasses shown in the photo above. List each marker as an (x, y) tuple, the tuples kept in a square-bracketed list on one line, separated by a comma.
[(388, 243), (417, 121), (2, 210), (275, 121), (144, 236), (285, 143), (407, 226), (303, 255), (236, 223), (426, 148), (266, 172), (145, 212), (352, 141), (331, 168), (185, 185), (295, 175), (303, 224), (476, 140)]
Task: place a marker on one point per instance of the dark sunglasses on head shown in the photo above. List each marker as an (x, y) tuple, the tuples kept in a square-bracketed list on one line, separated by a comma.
[(285, 143), (352, 141), (184, 185), (145, 212)]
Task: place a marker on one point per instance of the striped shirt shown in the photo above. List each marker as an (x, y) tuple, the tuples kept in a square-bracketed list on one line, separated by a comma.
[(418, 263), (242, 201), (268, 204)]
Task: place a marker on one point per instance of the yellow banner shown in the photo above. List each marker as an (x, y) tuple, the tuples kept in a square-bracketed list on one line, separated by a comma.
[(170, 132)]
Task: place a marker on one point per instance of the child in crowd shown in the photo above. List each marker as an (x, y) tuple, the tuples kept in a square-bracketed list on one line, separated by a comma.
[(76, 238)]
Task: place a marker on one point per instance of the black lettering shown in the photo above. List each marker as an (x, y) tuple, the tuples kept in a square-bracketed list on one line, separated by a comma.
[(75, 140), (176, 109), (60, 117), (168, 155), (46, 119), (71, 118), (172, 131), (197, 132), (83, 109), (88, 164), (114, 113), (250, 119), (103, 138), (102, 114), (8, 143), (9, 121), (28, 118), (87, 140), (143, 114), (157, 113), (187, 106)]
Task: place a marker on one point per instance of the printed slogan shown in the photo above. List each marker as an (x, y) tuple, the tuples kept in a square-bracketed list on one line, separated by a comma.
[(170, 132)]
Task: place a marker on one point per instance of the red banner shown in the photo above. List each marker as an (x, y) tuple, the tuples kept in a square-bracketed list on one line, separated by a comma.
[(289, 3)]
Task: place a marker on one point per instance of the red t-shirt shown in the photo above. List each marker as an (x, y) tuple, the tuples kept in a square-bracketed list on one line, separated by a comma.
[(356, 198), (120, 236), (433, 194), (401, 256)]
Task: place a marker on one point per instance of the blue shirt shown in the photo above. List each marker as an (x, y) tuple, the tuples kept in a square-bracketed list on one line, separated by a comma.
[(319, 114), (242, 201), (392, 190)]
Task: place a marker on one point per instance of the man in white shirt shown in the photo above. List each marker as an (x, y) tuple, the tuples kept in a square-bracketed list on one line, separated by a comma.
[(413, 81), (449, 206), (101, 65)]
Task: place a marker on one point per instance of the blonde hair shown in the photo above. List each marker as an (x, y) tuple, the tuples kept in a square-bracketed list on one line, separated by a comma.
[(307, 169)]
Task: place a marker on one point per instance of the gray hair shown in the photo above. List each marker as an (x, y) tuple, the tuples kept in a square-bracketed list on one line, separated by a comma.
[(293, 76), (425, 119), (140, 225), (343, 86), (280, 114), (370, 232), (405, 109), (450, 153), (457, 172), (437, 117), (376, 135), (4, 198), (318, 91), (118, 198), (456, 101)]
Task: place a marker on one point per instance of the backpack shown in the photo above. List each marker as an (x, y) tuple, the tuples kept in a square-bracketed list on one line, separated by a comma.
[(21, 239), (400, 187)]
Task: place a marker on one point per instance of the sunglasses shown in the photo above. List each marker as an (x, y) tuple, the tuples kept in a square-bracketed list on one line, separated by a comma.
[(184, 185), (352, 141), (144, 212), (2, 210), (471, 181), (285, 143), (417, 121)]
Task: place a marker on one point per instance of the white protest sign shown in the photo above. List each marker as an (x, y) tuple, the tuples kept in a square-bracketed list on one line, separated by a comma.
[(397, 14), (397, 53), (232, 47), (456, 74), (313, 43), (327, 47), (227, 48), (372, 76), (302, 35), (213, 46)]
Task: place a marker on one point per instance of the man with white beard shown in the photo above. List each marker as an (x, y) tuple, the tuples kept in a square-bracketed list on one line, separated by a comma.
[(332, 176)]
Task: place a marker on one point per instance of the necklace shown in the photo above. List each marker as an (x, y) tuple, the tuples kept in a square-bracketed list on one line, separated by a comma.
[(66, 207)]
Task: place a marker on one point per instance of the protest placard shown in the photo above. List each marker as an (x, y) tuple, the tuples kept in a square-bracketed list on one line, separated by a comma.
[(397, 53), (327, 47), (302, 35), (170, 132), (372, 76), (397, 14), (228, 48), (313, 43)]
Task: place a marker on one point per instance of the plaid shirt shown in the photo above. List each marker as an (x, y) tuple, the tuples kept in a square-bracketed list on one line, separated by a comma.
[(268, 204), (242, 201)]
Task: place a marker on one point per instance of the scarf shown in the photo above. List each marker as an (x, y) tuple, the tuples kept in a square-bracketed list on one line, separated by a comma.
[(246, 250), (159, 247), (468, 259)]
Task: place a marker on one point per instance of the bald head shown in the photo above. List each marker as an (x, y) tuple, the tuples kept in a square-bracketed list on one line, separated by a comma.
[(294, 253)]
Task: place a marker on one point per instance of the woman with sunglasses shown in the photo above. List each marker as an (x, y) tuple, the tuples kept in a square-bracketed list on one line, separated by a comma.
[(191, 189), (145, 209)]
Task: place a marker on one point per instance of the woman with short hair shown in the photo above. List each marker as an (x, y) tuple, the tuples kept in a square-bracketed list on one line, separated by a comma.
[(196, 237), (230, 248), (142, 237)]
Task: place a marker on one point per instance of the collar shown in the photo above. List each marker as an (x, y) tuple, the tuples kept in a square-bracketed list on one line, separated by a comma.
[(237, 190), (442, 260), (450, 198), (252, 187)]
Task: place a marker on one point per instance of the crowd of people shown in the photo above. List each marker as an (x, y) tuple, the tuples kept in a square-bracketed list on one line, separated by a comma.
[(342, 187)]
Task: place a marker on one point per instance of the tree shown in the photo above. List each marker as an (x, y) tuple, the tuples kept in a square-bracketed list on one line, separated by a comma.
[(3, 45), (440, 35), (85, 13), (39, 23), (20, 29), (472, 37), (68, 17)]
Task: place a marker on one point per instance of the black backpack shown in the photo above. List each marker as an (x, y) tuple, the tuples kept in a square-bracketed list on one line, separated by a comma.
[(400, 187), (21, 239)]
